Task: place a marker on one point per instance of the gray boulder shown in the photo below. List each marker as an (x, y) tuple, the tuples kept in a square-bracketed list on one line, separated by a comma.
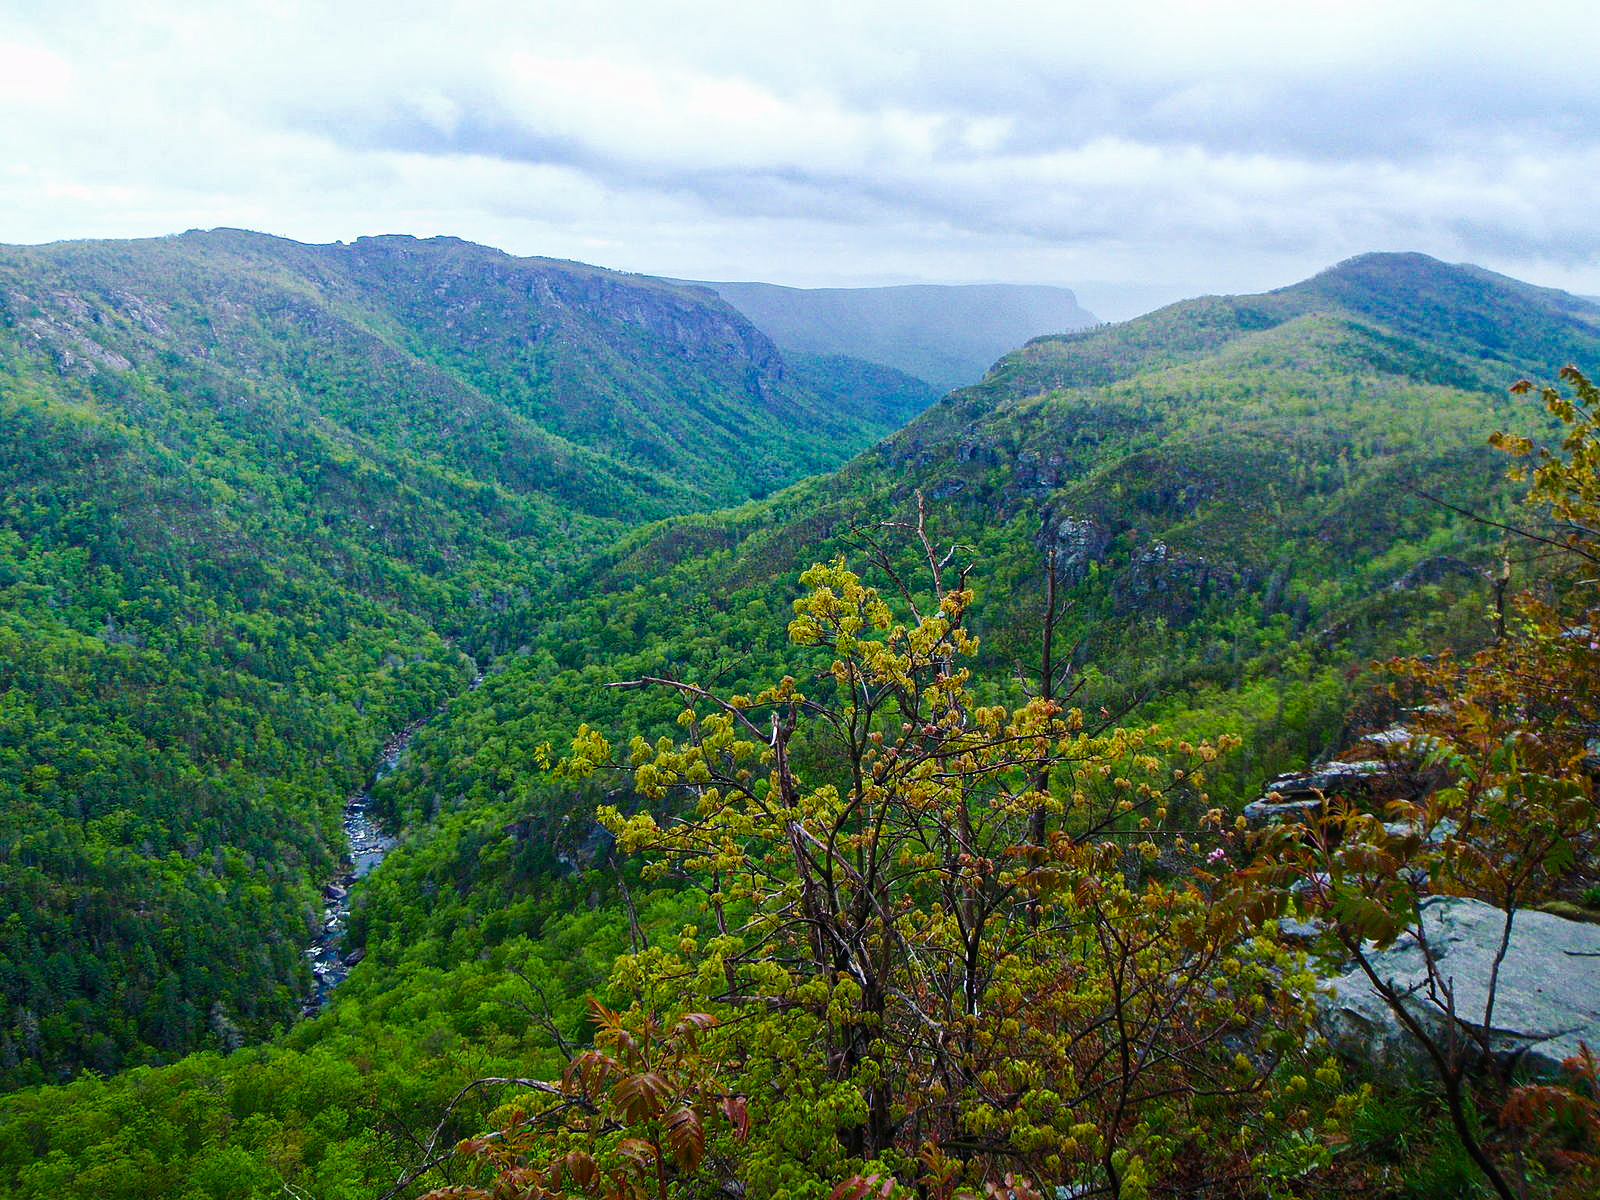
[(1546, 1002)]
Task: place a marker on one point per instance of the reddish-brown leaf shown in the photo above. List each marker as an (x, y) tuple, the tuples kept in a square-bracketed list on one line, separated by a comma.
[(642, 1096), (579, 1167), (738, 1114), (686, 1136)]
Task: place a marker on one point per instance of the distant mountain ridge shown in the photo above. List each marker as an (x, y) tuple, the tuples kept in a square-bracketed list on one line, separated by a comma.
[(946, 335), (620, 392), (1472, 325)]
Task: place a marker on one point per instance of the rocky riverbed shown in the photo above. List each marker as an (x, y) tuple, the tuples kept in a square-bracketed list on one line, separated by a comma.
[(330, 960)]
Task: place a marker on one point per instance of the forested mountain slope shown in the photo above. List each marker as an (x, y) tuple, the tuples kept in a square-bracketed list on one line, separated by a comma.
[(618, 395), (947, 336), (1228, 487), (259, 501)]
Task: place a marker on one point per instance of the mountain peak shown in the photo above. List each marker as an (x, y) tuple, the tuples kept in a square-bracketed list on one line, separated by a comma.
[(1474, 311)]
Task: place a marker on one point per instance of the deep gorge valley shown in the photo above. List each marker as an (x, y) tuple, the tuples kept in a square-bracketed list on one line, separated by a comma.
[(271, 513)]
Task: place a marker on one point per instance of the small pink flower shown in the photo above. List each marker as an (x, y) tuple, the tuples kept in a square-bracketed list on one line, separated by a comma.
[(1217, 855)]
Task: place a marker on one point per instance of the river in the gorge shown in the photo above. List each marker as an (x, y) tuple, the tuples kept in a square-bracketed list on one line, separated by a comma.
[(330, 961)]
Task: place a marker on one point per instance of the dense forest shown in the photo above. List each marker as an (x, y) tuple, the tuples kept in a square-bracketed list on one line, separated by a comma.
[(264, 504), (263, 507)]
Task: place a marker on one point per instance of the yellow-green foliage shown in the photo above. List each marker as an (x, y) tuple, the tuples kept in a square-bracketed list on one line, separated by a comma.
[(966, 940)]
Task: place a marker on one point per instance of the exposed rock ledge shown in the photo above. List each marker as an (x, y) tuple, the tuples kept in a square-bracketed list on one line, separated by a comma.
[(1547, 1000)]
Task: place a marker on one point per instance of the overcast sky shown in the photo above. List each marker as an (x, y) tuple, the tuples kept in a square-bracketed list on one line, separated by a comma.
[(1169, 148)]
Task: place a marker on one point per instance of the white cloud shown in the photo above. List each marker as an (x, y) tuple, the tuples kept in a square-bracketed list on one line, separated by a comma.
[(1189, 144), (32, 76)]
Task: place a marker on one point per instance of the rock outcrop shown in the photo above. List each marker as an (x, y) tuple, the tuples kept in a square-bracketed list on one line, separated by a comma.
[(1298, 794), (1396, 769), (1163, 581), (1078, 544), (1547, 997)]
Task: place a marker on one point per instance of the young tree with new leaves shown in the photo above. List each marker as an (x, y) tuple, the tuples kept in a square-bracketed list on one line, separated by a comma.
[(906, 977)]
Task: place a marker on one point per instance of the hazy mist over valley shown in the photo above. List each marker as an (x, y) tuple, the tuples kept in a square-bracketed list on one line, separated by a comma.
[(827, 601)]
